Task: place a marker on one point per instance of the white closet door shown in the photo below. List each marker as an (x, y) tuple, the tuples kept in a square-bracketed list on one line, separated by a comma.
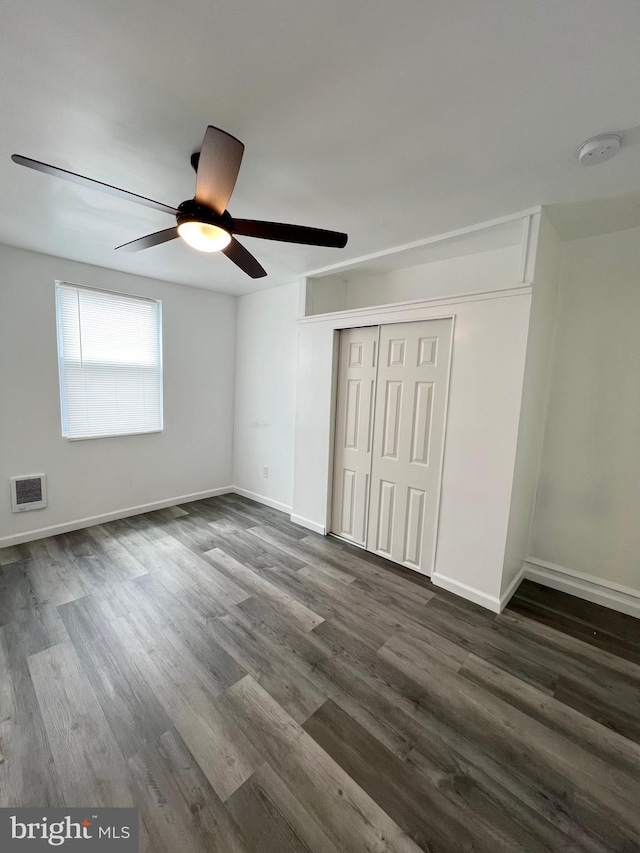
[(354, 413), (408, 437)]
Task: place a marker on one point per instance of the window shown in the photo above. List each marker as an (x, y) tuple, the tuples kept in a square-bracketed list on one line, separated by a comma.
[(110, 362)]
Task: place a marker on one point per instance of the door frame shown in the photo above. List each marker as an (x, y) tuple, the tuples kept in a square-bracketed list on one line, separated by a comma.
[(384, 320)]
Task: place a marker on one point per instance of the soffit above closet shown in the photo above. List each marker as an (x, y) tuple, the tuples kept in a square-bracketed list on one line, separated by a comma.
[(489, 256)]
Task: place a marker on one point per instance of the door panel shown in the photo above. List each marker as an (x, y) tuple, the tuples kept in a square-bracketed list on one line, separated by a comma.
[(385, 517), (409, 414), (354, 429), (421, 423), (352, 415), (391, 419), (413, 528)]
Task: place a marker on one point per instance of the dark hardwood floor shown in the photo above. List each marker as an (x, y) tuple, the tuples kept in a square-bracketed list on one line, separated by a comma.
[(254, 687)]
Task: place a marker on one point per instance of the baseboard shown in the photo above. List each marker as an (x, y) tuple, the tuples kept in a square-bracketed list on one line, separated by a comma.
[(597, 590), (78, 524), (261, 499), (511, 589), (470, 593), (310, 525)]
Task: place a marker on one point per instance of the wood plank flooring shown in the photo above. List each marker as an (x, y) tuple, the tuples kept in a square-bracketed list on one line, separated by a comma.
[(254, 687)]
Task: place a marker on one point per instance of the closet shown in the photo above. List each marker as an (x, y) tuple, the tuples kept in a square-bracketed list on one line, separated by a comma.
[(389, 437), (375, 474)]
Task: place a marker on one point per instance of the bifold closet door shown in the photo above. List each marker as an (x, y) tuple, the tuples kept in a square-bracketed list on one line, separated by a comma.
[(411, 391), (352, 447)]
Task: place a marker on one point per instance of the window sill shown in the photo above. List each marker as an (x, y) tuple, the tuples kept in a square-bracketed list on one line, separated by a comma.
[(111, 435)]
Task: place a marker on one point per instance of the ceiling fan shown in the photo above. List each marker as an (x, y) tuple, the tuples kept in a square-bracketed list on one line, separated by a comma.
[(203, 221)]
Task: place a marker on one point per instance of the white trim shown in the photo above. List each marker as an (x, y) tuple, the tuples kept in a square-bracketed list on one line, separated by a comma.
[(511, 589), (443, 448), (597, 590), (310, 525), (427, 241), (470, 593), (532, 248), (63, 282), (261, 499), (333, 406), (304, 296), (78, 524), (111, 435), (372, 312), (525, 250)]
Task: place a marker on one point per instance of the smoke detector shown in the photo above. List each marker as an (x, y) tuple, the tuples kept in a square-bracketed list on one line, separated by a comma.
[(598, 149)]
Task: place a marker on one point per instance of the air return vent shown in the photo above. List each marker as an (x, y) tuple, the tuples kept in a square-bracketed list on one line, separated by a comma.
[(28, 492)]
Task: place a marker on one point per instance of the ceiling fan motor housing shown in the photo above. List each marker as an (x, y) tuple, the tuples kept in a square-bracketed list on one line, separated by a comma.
[(191, 211)]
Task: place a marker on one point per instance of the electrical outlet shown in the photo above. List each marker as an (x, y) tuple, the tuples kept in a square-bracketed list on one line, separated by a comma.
[(265, 473)]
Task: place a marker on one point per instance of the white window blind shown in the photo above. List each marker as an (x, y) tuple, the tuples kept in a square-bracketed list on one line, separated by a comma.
[(110, 361)]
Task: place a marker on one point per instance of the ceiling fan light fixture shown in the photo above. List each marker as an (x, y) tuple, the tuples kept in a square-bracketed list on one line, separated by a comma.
[(204, 236)]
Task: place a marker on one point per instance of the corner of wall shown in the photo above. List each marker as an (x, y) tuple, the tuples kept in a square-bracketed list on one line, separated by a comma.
[(265, 394), (535, 398), (587, 503)]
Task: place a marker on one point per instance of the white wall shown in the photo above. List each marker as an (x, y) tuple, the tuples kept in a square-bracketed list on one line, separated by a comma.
[(534, 403), (267, 336), (587, 516), (102, 476)]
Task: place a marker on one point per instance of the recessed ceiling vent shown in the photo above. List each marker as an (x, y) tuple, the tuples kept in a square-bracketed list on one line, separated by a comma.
[(28, 492), (599, 149)]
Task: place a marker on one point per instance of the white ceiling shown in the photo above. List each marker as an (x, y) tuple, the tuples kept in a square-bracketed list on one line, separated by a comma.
[(392, 121)]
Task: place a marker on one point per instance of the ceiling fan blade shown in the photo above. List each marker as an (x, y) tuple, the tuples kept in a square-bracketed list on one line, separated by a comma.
[(91, 183), (289, 233), (237, 253), (150, 240), (218, 167)]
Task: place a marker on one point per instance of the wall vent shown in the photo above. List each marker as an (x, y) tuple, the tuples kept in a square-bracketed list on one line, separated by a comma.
[(28, 492)]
